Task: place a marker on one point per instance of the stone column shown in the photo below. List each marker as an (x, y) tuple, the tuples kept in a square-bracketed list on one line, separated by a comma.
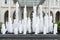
[(54, 17), (54, 14), (49, 8), (9, 10)]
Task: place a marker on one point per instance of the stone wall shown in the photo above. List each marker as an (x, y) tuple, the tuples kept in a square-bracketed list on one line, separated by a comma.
[(29, 37)]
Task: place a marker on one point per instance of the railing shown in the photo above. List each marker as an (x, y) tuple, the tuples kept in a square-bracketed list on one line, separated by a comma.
[(29, 37)]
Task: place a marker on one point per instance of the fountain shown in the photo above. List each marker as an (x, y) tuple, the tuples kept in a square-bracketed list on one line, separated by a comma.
[(55, 29), (37, 28), (6, 26), (34, 19), (29, 25), (41, 18), (50, 25), (15, 27), (9, 23), (22, 26), (9, 26), (15, 24), (25, 21), (45, 24), (3, 30)]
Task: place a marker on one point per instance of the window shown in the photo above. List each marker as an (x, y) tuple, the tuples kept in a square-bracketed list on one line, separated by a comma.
[(5, 1), (57, 2)]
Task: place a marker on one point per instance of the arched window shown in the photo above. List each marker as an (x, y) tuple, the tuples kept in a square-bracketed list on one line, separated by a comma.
[(57, 16), (51, 14), (6, 17), (14, 16)]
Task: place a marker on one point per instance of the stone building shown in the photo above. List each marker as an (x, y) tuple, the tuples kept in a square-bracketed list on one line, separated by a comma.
[(54, 9)]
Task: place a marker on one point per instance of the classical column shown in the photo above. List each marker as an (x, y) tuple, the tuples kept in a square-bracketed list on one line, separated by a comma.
[(49, 8), (54, 15), (9, 10)]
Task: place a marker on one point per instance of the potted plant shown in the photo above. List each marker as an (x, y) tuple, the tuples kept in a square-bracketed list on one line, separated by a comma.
[(58, 27)]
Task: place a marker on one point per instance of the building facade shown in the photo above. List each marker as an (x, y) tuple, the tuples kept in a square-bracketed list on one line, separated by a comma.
[(54, 9)]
